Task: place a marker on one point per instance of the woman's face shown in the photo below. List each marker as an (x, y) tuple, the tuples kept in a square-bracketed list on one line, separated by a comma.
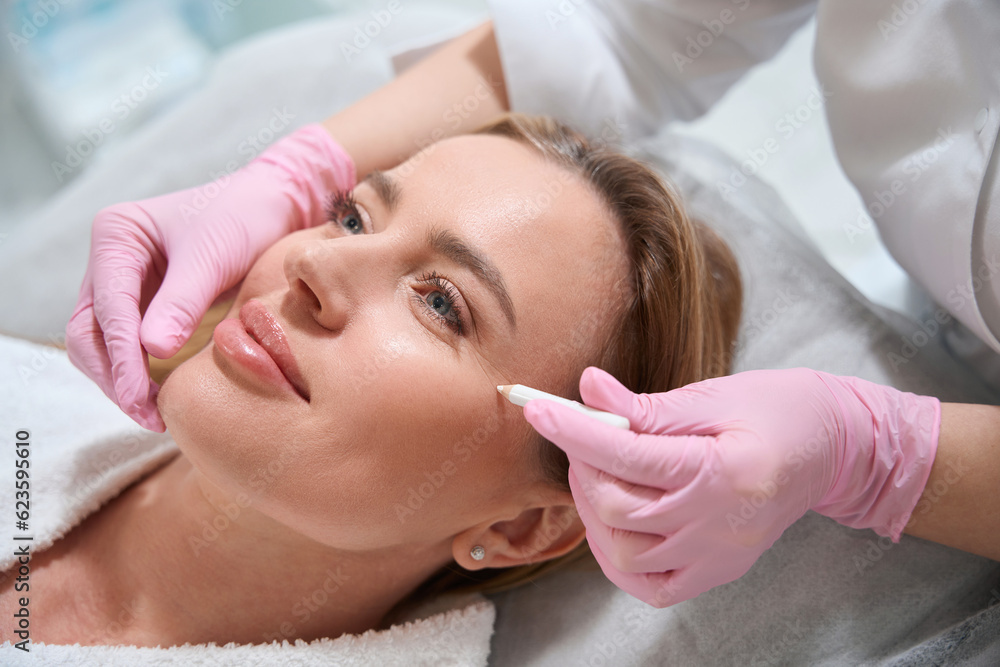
[(474, 264)]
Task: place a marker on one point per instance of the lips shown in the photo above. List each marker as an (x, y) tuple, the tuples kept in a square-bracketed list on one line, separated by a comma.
[(265, 330)]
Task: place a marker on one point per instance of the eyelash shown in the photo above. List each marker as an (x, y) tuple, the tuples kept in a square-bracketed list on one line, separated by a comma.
[(341, 205), (450, 293)]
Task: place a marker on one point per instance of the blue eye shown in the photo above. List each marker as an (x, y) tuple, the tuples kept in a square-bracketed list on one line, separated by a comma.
[(442, 302), (342, 210), (352, 223), (439, 303)]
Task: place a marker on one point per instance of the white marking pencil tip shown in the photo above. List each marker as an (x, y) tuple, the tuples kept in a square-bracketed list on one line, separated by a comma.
[(518, 394)]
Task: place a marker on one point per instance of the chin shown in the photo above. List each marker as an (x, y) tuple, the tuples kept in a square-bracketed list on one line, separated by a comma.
[(226, 432), (198, 411), (174, 399)]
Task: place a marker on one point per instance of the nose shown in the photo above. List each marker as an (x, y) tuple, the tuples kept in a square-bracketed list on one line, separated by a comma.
[(323, 276)]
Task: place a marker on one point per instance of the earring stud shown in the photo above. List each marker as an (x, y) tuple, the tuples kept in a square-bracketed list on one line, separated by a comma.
[(478, 553)]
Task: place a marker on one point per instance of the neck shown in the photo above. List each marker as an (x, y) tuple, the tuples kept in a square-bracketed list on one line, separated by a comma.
[(189, 566)]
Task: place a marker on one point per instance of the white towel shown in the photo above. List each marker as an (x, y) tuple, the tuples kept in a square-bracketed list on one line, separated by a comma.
[(84, 451)]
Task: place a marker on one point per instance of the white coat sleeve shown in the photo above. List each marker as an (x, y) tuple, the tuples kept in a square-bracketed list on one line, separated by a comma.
[(914, 111), (625, 67)]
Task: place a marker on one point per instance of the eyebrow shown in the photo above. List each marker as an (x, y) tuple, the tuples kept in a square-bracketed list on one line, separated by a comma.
[(458, 251), (385, 187), (451, 246)]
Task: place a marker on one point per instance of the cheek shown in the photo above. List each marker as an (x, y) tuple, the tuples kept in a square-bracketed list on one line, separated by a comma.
[(405, 440), (433, 468), (268, 272), (388, 375), (407, 460), (399, 406)]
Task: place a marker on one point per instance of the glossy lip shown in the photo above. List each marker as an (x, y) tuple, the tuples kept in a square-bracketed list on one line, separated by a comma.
[(264, 329), (257, 341)]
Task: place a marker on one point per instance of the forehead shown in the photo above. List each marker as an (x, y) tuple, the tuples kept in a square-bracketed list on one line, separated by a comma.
[(559, 250)]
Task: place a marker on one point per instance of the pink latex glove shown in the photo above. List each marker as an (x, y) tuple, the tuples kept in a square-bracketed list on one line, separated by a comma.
[(180, 251), (712, 474)]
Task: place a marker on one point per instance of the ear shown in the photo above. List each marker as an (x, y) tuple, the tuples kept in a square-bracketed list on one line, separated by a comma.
[(537, 534)]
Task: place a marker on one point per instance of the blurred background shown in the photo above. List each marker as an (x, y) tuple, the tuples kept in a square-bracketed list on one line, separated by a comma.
[(75, 80)]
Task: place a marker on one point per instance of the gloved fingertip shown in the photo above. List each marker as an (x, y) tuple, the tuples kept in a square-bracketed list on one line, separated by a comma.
[(147, 415), (657, 589), (537, 415), (154, 423), (599, 389), (550, 419), (163, 348), (131, 392), (163, 336), (595, 374)]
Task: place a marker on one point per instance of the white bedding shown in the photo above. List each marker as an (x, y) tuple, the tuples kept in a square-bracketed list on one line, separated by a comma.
[(824, 594)]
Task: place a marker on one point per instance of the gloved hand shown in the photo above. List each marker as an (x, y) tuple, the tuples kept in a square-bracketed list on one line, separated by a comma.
[(180, 251), (711, 474)]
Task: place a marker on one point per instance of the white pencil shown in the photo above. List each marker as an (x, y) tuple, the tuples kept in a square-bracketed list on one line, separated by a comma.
[(518, 394)]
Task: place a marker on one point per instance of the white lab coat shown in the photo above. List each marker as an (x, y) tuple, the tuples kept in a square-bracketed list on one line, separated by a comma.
[(911, 87)]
